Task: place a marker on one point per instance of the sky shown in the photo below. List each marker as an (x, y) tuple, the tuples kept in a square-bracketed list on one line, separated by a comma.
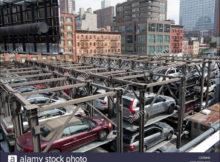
[(173, 6)]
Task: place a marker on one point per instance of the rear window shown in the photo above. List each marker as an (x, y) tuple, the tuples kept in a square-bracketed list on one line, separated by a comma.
[(127, 138), (51, 113), (44, 131), (127, 103)]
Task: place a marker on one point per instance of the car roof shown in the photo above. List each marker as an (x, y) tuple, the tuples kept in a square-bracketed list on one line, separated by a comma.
[(35, 96), (56, 123), (130, 94)]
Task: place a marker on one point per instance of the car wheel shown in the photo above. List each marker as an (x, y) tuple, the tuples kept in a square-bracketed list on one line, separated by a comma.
[(103, 135), (170, 135), (170, 109), (55, 151), (145, 148)]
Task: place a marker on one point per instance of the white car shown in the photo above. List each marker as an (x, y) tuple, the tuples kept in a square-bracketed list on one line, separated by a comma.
[(212, 87)]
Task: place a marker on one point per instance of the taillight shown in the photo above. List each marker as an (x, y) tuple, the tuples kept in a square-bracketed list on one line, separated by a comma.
[(131, 108), (103, 102), (9, 131), (130, 148), (26, 150), (110, 126)]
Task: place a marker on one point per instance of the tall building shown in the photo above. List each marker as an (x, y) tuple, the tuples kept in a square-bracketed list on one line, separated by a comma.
[(97, 42), (176, 39), (105, 3), (86, 20), (105, 17), (68, 35), (143, 26), (67, 6), (198, 15), (218, 18)]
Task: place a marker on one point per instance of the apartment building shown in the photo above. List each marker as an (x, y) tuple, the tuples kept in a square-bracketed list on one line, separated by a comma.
[(68, 35), (143, 26), (67, 6), (97, 42), (176, 39)]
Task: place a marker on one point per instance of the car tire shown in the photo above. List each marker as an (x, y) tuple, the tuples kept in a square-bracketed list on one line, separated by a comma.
[(145, 148), (54, 151), (103, 135), (170, 135), (170, 109)]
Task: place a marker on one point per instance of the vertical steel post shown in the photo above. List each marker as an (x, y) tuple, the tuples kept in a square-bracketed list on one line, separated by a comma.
[(202, 85), (119, 107), (141, 121), (181, 111), (91, 110), (208, 82), (33, 123), (15, 118)]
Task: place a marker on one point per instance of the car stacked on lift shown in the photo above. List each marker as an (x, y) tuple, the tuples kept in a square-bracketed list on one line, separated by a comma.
[(83, 130)]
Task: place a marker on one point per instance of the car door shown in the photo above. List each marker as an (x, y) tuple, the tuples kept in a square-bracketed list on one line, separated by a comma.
[(152, 136)]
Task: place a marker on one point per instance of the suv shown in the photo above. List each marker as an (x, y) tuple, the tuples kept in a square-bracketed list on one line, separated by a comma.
[(153, 135), (163, 104)]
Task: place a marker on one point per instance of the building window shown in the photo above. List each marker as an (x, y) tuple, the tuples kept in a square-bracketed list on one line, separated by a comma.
[(159, 49), (94, 44), (160, 27), (62, 35), (62, 42), (82, 37), (141, 28), (90, 44), (69, 43), (62, 27), (129, 29), (77, 36), (69, 35), (69, 20), (159, 39), (167, 28), (152, 27), (151, 38), (78, 44), (94, 36), (61, 19), (151, 50), (91, 51), (70, 50), (78, 51), (141, 39), (90, 37), (69, 28), (129, 39)]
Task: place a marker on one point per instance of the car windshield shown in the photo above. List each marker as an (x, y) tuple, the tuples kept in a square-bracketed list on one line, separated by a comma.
[(44, 131)]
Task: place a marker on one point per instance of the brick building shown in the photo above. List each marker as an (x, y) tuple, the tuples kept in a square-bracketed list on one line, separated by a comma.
[(68, 35), (97, 42), (176, 39), (143, 26)]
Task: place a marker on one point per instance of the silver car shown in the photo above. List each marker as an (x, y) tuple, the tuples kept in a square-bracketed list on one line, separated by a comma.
[(153, 135), (163, 104), (101, 103)]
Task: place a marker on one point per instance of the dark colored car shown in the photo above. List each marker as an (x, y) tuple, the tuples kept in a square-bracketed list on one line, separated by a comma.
[(79, 132)]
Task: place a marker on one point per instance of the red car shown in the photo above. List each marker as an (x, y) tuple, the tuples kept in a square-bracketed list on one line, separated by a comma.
[(79, 132)]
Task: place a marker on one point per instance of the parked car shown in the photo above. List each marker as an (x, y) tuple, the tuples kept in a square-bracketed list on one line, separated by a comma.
[(153, 135), (7, 124), (163, 104), (170, 72), (212, 87), (18, 80), (79, 132)]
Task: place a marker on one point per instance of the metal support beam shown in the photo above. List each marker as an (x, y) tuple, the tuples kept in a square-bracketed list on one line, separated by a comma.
[(119, 107), (208, 82), (141, 121), (181, 111), (202, 86)]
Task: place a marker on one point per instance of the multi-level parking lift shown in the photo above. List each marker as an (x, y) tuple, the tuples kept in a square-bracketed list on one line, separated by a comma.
[(127, 79), (116, 77), (31, 111)]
